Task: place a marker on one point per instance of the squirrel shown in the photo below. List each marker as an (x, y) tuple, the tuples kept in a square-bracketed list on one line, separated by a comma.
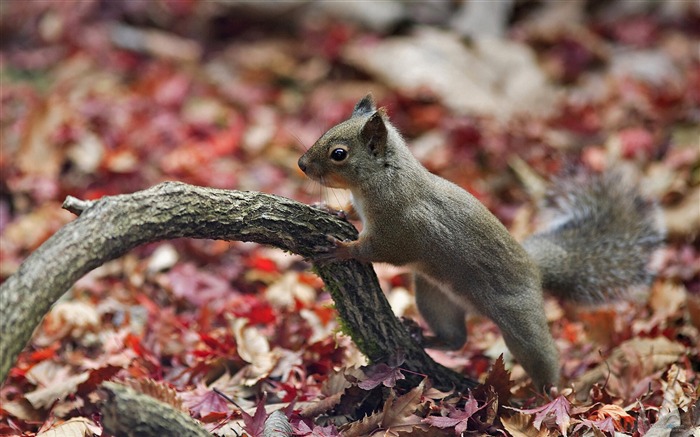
[(464, 258)]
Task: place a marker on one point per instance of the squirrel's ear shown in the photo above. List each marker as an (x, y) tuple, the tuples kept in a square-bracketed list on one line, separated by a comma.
[(374, 133), (364, 106)]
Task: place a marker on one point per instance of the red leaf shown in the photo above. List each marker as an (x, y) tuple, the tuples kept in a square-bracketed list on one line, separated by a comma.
[(96, 377), (457, 418), (636, 142), (134, 342), (259, 312), (381, 374), (45, 353), (605, 425), (203, 401), (255, 425), (261, 263)]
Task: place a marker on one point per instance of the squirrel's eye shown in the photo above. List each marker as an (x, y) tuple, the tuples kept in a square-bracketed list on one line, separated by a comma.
[(339, 154)]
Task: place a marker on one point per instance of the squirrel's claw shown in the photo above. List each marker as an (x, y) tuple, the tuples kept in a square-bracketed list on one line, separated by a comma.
[(338, 250)]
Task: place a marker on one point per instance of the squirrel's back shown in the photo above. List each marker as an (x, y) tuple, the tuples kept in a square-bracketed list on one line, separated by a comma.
[(599, 242)]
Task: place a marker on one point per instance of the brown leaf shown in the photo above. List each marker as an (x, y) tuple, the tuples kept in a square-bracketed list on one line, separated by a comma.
[(693, 305), (76, 427), (618, 415), (58, 390), (677, 392), (667, 298), (254, 348), (463, 77), (400, 411), (683, 220), (520, 425), (317, 408), (396, 416), (499, 379), (363, 427), (159, 390), (21, 409), (70, 318), (658, 352)]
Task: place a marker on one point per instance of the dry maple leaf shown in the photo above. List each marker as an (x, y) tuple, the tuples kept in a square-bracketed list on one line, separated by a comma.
[(56, 391), (396, 416), (456, 418), (520, 425), (399, 411), (303, 430), (559, 409), (677, 392), (383, 373), (253, 348), (71, 318), (159, 390), (277, 425), (657, 352), (499, 379), (601, 425), (203, 401), (75, 427), (620, 417), (255, 424)]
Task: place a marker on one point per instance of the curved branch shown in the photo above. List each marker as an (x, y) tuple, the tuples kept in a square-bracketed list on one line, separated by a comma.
[(129, 413), (109, 227)]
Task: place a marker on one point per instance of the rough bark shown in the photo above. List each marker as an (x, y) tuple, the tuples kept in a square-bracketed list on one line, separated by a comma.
[(126, 412), (109, 227)]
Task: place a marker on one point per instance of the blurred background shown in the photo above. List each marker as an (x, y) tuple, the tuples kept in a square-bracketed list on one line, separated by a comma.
[(108, 97)]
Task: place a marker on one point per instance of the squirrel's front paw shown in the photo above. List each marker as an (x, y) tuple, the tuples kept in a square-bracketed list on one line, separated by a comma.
[(338, 250), (323, 206)]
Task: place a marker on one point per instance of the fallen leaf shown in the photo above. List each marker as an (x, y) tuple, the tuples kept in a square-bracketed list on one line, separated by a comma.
[(456, 418), (253, 348), (620, 418), (255, 424), (656, 352), (396, 416), (57, 390), (158, 390), (75, 427), (520, 425), (203, 401), (559, 409), (285, 291), (478, 80), (381, 374), (400, 411), (71, 318), (21, 409)]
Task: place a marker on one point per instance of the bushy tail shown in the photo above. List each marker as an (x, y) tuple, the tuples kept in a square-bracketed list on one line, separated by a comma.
[(599, 241)]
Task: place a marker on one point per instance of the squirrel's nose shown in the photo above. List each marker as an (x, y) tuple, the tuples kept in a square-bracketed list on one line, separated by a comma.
[(302, 163)]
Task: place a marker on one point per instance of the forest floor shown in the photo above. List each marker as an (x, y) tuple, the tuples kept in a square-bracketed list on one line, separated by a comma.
[(103, 98)]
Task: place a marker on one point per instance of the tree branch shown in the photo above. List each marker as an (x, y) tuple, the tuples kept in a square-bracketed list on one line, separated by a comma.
[(125, 412), (109, 227)]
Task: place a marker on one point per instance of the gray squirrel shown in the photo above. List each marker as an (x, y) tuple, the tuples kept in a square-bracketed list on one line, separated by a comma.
[(463, 258)]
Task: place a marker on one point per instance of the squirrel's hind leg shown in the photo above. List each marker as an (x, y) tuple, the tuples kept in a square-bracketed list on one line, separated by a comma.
[(444, 316), (523, 323)]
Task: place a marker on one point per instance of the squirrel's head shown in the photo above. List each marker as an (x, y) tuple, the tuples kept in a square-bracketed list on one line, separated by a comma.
[(349, 150)]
